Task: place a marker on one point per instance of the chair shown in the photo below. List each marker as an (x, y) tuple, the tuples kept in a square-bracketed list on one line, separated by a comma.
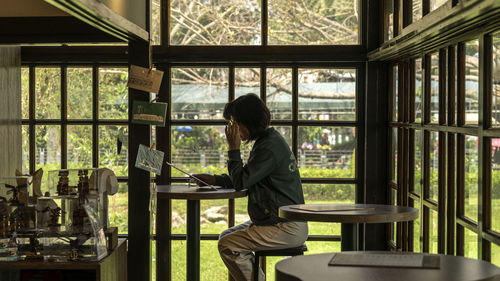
[(296, 251)]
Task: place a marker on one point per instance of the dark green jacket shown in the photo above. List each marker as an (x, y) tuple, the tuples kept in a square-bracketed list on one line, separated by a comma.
[(271, 177)]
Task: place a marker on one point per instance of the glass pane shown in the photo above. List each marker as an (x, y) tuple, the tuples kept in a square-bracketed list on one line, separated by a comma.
[(495, 184), (495, 254), (417, 244), (470, 244), (416, 10), (79, 93), (434, 88), (179, 260), (327, 193), (213, 216), (211, 265), (395, 93), (234, 22), (433, 235), (246, 80), (471, 177), (25, 92), (418, 90), (155, 22), (48, 93), (472, 82), (113, 93), (179, 217), (118, 208), (313, 22), (279, 93), (434, 4), (79, 147), (47, 150), (111, 154), (417, 176), (327, 94), (394, 199), (286, 133), (26, 149), (495, 87), (434, 166), (201, 149), (327, 152), (240, 210), (199, 93), (394, 157), (388, 20)]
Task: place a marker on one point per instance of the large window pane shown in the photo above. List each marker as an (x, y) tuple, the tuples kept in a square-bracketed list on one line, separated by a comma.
[(25, 160), (286, 133), (179, 260), (495, 87), (416, 10), (113, 93), (417, 244), (155, 22), (418, 90), (199, 93), (201, 149), (298, 22), (79, 93), (279, 93), (109, 154), (47, 149), (470, 244), (25, 92), (199, 22), (79, 147), (327, 193), (495, 254), (213, 216), (388, 20), (246, 80), (118, 209), (417, 161), (434, 4), (433, 235), (327, 152), (434, 110), (471, 177), (472, 82), (434, 165), (48, 93), (395, 93), (394, 155), (495, 184), (327, 94)]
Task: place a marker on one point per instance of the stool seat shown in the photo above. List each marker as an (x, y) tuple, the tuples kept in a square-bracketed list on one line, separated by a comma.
[(295, 251)]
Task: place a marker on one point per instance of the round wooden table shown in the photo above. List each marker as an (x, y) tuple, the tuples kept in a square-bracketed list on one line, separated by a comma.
[(349, 215), (164, 193), (316, 268)]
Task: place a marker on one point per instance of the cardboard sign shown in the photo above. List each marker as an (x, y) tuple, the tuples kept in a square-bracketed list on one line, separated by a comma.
[(149, 113), (144, 79), (149, 159)]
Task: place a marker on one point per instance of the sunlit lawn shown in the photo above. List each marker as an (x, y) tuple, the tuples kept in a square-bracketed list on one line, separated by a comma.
[(212, 267)]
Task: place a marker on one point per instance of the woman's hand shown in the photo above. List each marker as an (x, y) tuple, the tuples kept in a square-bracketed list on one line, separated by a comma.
[(210, 179), (233, 135)]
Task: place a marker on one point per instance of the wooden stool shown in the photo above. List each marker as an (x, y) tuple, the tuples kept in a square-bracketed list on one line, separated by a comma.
[(296, 251)]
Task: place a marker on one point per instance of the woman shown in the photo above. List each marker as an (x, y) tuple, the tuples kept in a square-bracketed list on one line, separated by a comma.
[(272, 179)]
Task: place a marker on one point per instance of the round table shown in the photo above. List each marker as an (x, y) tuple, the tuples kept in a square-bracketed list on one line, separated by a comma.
[(316, 268), (349, 215), (164, 193)]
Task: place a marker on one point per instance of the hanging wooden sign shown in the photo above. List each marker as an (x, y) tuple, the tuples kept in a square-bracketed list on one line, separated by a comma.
[(144, 79), (147, 113), (149, 159)]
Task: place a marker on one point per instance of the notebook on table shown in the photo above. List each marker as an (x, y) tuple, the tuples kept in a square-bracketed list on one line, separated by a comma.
[(207, 187)]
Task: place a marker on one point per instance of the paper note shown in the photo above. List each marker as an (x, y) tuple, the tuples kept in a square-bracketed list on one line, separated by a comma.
[(150, 160), (144, 79), (149, 113)]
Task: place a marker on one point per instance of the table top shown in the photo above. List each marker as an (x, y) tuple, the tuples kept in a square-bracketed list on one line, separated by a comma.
[(349, 213), (316, 268), (191, 193)]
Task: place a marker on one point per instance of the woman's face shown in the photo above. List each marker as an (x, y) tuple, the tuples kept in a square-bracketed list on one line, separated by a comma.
[(244, 133)]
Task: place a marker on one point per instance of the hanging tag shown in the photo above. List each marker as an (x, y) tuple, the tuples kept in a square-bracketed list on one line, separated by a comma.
[(144, 79), (149, 159), (149, 113)]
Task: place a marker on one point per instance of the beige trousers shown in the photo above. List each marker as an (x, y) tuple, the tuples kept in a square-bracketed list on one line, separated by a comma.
[(237, 244)]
